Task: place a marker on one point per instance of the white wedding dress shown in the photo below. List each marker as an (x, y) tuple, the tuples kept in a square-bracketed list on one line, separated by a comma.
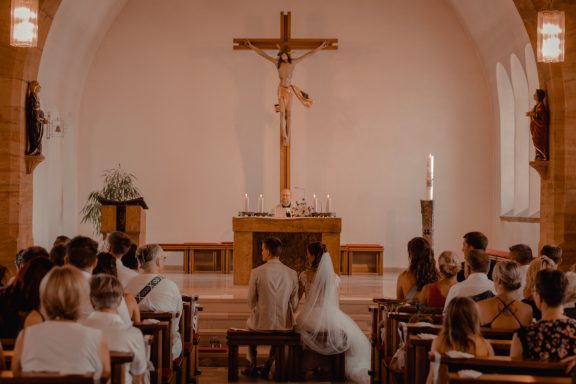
[(324, 328)]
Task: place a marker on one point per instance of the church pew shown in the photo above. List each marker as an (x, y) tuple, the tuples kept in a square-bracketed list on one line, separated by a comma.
[(418, 364), (191, 338), (160, 346), (386, 316), (239, 337), (7, 377), (171, 369), (491, 378), (500, 365), (288, 367)]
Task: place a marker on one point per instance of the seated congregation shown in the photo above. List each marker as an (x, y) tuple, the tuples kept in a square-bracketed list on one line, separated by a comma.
[(507, 316), (75, 311)]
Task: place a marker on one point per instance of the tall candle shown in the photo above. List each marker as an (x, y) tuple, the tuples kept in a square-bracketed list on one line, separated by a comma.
[(328, 204), (260, 203), (246, 203), (316, 205), (430, 177)]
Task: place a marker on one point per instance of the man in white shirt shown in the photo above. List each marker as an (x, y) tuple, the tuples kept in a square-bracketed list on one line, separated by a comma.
[(82, 253), (477, 285), (106, 294), (154, 292), (272, 298), (283, 209), (522, 255), (118, 245)]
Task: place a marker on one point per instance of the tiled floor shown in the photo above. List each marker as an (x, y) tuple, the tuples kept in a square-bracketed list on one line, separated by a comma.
[(217, 285)]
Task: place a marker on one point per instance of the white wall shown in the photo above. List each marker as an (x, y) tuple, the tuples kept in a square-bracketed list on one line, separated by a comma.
[(168, 98)]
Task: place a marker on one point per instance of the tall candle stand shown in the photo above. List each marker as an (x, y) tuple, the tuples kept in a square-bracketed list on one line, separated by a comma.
[(427, 210)]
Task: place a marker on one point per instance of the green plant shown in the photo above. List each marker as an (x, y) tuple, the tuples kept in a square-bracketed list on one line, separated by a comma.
[(118, 186)]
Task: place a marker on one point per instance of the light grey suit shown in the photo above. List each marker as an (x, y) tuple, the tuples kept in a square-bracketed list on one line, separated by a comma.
[(272, 296)]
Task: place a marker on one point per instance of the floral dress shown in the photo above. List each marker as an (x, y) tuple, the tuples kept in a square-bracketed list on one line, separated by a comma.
[(549, 339)]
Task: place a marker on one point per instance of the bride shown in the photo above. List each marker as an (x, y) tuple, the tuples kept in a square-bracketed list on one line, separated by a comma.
[(323, 327)]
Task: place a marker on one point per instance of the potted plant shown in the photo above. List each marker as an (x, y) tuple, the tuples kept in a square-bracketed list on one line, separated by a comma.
[(119, 185)]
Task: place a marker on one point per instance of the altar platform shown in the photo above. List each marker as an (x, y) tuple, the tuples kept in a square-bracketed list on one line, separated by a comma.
[(225, 303)]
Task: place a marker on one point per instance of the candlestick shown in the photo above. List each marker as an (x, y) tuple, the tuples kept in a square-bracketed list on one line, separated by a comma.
[(328, 204), (430, 177), (246, 203), (260, 203), (316, 205)]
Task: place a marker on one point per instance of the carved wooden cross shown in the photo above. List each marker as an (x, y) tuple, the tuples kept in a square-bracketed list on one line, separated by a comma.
[(285, 40)]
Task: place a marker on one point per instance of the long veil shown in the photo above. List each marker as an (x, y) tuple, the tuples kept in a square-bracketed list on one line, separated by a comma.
[(320, 324)]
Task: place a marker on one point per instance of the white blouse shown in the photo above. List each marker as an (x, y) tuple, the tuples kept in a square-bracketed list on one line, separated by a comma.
[(62, 346)]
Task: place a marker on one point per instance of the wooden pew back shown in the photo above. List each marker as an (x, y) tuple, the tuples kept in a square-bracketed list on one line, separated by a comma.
[(160, 347)]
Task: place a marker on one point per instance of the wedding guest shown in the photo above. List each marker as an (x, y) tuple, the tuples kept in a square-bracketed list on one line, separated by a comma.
[(554, 336), (461, 330), (129, 260), (20, 301), (154, 292), (106, 264), (570, 296), (421, 271), (522, 254), (61, 344), (272, 298), (5, 276), (83, 254), (472, 240), (58, 255), (477, 286), (118, 245), (538, 264), (434, 294), (106, 293), (504, 310), (553, 252)]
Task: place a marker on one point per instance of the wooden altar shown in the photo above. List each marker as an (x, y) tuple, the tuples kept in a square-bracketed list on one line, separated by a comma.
[(295, 233)]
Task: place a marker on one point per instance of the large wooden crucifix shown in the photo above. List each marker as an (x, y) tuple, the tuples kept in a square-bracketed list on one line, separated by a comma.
[(285, 65)]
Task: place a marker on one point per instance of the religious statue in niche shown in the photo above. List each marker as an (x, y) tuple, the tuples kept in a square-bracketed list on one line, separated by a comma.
[(285, 65), (539, 124), (35, 120)]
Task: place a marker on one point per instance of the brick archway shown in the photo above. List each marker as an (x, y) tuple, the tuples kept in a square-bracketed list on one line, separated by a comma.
[(17, 67)]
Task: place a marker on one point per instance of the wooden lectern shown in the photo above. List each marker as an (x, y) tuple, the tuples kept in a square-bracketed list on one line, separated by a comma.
[(124, 216), (295, 234)]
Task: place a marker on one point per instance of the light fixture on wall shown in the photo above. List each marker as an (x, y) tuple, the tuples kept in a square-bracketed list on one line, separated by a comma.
[(24, 23), (551, 36)]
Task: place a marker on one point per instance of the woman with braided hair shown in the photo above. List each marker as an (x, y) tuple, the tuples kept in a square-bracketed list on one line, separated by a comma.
[(421, 271)]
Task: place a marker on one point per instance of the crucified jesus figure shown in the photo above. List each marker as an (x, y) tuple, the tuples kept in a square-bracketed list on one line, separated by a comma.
[(285, 65)]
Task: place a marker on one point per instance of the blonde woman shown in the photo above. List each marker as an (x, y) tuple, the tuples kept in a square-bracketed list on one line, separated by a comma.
[(61, 344), (538, 264), (504, 310), (434, 294)]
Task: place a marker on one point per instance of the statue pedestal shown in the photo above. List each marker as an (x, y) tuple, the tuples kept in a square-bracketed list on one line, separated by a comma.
[(295, 234), (124, 216)]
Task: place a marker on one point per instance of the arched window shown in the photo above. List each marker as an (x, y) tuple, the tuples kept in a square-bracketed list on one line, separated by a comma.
[(519, 183)]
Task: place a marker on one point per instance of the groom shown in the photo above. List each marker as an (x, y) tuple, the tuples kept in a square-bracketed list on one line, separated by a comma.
[(272, 297)]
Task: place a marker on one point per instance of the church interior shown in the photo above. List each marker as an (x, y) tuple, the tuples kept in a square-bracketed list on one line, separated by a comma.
[(161, 90)]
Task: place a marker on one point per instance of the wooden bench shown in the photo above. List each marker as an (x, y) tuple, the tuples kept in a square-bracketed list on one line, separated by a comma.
[(491, 378), (288, 365), (219, 254), (160, 347), (118, 361), (278, 340), (501, 365), (417, 352), (375, 252), (191, 336), (7, 377)]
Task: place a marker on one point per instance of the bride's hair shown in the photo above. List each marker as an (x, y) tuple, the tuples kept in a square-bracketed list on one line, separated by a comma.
[(316, 249)]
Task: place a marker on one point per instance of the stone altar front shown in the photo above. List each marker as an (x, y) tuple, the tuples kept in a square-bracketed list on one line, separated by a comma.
[(295, 233)]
